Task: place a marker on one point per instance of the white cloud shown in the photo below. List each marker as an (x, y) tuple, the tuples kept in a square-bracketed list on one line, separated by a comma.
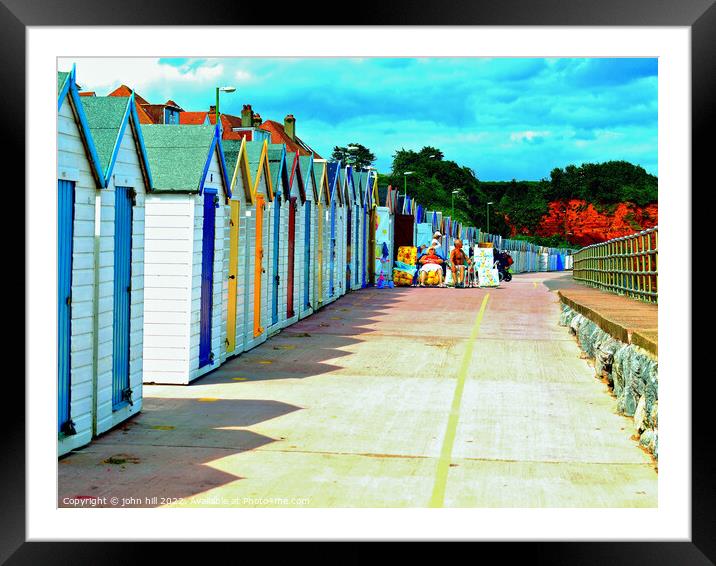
[(242, 75), (139, 73), (528, 135)]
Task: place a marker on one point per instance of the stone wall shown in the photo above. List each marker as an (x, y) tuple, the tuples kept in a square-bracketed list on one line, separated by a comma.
[(631, 372)]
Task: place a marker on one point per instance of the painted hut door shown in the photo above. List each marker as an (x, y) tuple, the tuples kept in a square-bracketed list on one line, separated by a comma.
[(65, 233), (258, 263), (356, 245), (365, 246), (332, 250), (349, 248), (233, 275), (307, 255), (208, 235), (123, 198), (276, 276), (291, 253), (319, 263)]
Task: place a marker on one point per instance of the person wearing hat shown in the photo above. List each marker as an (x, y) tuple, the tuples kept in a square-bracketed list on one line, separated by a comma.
[(437, 242)]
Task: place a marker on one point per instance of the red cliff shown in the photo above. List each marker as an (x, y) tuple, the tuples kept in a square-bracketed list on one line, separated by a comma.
[(583, 223)]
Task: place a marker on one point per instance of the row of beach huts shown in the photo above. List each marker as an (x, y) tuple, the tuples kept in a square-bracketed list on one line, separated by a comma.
[(184, 240)]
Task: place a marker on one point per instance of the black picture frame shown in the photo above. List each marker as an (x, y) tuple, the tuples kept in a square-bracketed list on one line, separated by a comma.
[(699, 15)]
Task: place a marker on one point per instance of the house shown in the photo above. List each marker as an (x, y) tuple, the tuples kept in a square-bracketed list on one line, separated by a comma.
[(286, 134), (119, 246), (187, 238), (256, 285), (167, 113), (307, 250), (242, 209), (278, 221), (79, 181)]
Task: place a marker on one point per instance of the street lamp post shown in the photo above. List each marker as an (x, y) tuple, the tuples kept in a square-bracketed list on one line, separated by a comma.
[(221, 89), (456, 191), (488, 216)]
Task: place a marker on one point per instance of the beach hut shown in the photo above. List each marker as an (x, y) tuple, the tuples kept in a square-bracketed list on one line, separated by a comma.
[(241, 205), (358, 184), (385, 233), (352, 223), (186, 276), (369, 208), (278, 221), (119, 258), (79, 178), (296, 259), (320, 168), (336, 208), (256, 285), (306, 250)]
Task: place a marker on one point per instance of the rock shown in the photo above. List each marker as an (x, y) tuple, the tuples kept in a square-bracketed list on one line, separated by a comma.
[(640, 415)]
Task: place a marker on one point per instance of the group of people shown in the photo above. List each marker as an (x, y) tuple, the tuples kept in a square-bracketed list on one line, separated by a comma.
[(432, 259)]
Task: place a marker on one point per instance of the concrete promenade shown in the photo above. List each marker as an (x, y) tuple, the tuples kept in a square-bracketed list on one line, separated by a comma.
[(385, 398)]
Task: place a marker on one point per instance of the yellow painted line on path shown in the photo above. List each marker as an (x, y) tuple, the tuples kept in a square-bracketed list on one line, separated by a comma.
[(534, 283), (438, 497), (207, 399)]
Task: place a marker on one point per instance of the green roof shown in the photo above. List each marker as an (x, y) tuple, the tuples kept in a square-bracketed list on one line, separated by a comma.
[(231, 154), (61, 78), (177, 155), (253, 153), (104, 118), (276, 156)]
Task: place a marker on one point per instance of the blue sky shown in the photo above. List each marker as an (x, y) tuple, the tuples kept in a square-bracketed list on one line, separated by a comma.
[(505, 118)]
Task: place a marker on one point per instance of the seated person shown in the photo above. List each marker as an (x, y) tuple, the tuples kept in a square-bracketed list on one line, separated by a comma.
[(430, 262), (458, 263)]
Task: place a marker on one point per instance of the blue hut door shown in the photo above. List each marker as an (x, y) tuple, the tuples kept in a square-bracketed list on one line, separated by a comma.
[(276, 276), (332, 252), (307, 256), (356, 245), (349, 247), (211, 202), (123, 198), (65, 233)]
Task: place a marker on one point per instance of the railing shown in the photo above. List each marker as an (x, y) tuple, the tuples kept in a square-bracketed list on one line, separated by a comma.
[(627, 265)]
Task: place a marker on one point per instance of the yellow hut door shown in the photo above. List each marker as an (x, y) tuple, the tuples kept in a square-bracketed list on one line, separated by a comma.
[(258, 264), (319, 264), (233, 275)]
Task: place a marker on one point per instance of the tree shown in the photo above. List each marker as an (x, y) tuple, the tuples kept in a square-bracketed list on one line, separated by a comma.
[(354, 154)]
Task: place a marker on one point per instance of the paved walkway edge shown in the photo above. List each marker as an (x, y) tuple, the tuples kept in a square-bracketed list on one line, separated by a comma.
[(644, 338)]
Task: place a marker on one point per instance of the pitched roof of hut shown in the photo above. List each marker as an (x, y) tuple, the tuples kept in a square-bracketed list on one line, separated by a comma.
[(180, 156)]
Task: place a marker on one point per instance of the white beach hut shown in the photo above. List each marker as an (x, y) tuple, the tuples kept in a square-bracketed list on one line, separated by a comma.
[(256, 299), (187, 233), (278, 212), (79, 178), (241, 213), (307, 253), (119, 258)]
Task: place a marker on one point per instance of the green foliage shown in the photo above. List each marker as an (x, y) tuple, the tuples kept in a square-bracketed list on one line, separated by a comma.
[(515, 203), (604, 183), (353, 154)]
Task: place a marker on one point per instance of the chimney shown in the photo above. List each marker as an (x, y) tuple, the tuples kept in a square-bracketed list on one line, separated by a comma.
[(289, 126), (247, 116), (256, 121)]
